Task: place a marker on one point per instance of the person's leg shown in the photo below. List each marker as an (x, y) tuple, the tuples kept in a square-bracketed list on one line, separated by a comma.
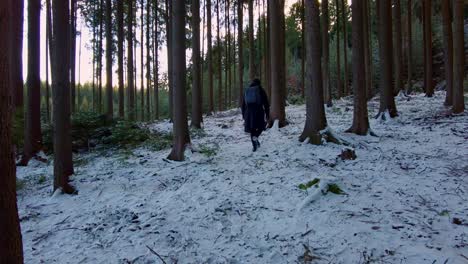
[(254, 139)]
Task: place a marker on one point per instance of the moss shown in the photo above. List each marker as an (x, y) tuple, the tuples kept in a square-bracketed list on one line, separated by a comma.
[(334, 188)]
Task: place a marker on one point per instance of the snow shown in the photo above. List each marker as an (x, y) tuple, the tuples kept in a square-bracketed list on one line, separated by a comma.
[(402, 193)]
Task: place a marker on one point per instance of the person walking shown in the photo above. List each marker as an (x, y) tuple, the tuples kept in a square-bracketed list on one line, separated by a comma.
[(255, 111)]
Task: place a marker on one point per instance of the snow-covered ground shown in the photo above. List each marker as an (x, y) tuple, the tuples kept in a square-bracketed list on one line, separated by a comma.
[(229, 205)]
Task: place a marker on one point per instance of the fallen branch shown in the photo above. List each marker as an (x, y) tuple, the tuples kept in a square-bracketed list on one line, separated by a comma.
[(155, 253)]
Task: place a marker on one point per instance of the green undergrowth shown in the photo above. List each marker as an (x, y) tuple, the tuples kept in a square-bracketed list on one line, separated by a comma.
[(331, 187)]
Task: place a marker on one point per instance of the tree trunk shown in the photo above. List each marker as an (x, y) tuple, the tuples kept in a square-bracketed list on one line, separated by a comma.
[(459, 57), (109, 89), (367, 50), (267, 53), (63, 163), (130, 70), (315, 112), (17, 42), (252, 70), (398, 48), (229, 54), (32, 128), (197, 113), (387, 101), (169, 57), (142, 61), (101, 38), (339, 87), (73, 18), (180, 127), (209, 56), (240, 66), (220, 55), (120, 55), (448, 51), (303, 50), (360, 124), (11, 249), (48, 51), (410, 49), (278, 71), (428, 83), (155, 63), (326, 53), (148, 60), (345, 46)]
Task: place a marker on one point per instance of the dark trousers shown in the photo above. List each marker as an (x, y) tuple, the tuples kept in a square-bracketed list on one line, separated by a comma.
[(255, 133)]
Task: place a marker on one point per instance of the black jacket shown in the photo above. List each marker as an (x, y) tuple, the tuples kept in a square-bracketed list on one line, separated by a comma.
[(256, 115)]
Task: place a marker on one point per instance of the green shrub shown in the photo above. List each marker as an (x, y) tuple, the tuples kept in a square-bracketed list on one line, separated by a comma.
[(208, 151), (18, 128), (334, 188), (309, 184), (296, 100)]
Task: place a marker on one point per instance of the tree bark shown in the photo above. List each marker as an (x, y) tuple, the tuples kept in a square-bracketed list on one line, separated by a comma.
[(428, 83), (303, 53), (180, 127), (209, 56), (120, 55), (130, 69), (142, 61), (220, 55), (398, 47), (100, 53), (345, 46), (155, 63), (459, 57), (240, 65), (448, 51), (169, 57), (197, 113), (73, 18), (387, 101), (32, 128), (360, 124), (148, 59), (109, 39), (367, 50), (339, 87), (252, 70), (48, 48), (11, 249), (326, 53), (278, 71), (316, 121), (410, 49), (17, 42), (63, 162)]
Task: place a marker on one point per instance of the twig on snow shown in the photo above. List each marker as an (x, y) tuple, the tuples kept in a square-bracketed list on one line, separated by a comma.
[(155, 253)]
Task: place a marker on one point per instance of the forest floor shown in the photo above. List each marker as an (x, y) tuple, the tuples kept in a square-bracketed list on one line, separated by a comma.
[(405, 201)]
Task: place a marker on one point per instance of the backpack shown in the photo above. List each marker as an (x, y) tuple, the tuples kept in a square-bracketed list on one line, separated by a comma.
[(252, 95)]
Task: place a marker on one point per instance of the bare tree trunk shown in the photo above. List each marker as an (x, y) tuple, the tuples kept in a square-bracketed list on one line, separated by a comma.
[(169, 56), (120, 55), (448, 51), (367, 50), (278, 71), (148, 60), (142, 61), (73, 18), (315, 112), (155, 63), (252, 70), (210, 58), (197, 113), (32, 128), (220, 55), (109, 88), (345, 46), (428, 84), (130, 69), (326, 53), (398, 48), (360, 124), (240, 31), (303, 50), (48, 50), (180, 127), (459, 57), (17, 41), (339, 87), (387, 101), (11, 248), (410, 49), (100, 44), (63, 163), (229, 54), (267, 53)]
